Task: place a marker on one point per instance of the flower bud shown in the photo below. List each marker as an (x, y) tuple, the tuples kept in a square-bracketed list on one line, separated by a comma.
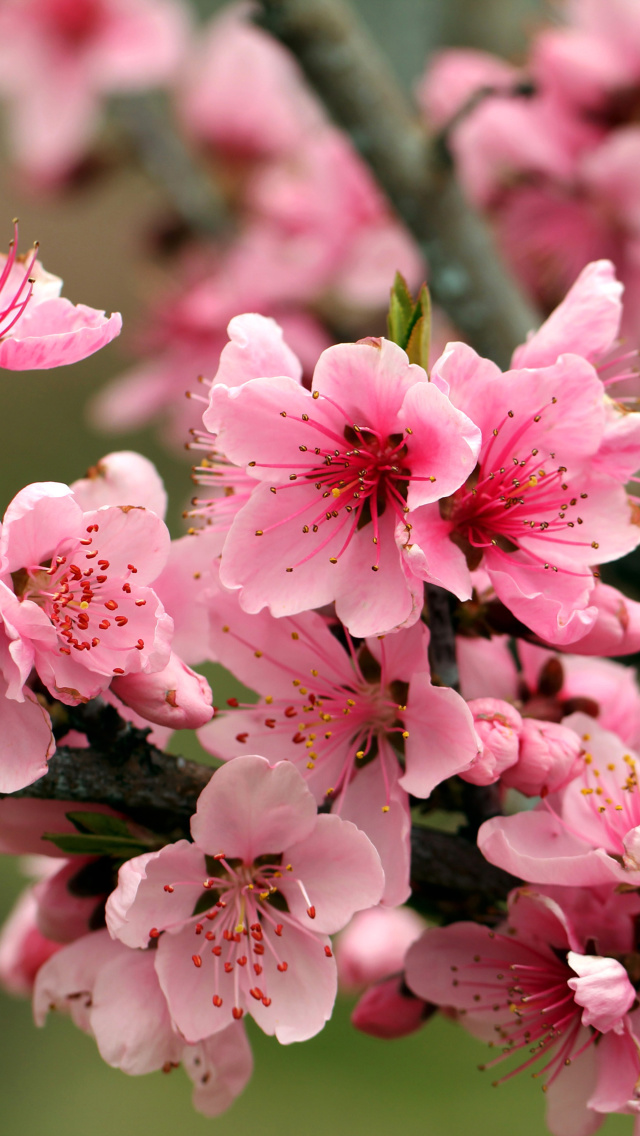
[(175, 696), (374, 944), (498, 726), (389, 1009), (548, 758)]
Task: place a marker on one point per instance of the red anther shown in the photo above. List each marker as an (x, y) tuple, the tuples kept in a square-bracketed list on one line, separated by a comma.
[(140, 645), (75, 571), (241, 737), (65, 651), (278, 928), (209, 936), (218, 855), (226, 935), (104, 564), (196, 960), (168, 887), (270, 723), (221, 902), (207, 884), (256, 927), (328, 952), (290, 712), (101, 579), (121, 619), (86, 540), (112, 605), (258, 969), (211, 914), (118, 671), (90, 555), (266, 1001), (126, 588), (232, 702), (199, 928), (95, 642), (104, 623), (236, 937), (258, 948), (140, 603), (257, 935), (228, 966), (217, 1000), (237, 1013), (131, 568), (217, 951), (256, 993), (312, 699), (311, 912), (154, 933), (92, 528), (282, 966), (242, 961), (297, 738)]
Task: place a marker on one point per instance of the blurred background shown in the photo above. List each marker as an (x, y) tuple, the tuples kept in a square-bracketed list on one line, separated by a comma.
[(52, 1081)]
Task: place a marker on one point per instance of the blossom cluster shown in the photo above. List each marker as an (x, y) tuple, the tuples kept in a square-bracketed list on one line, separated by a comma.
[(364, 512), (335, 514), (550, 150)]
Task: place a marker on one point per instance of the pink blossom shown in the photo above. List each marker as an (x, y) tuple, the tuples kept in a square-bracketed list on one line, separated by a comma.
[(26, 738), (584, 835), (377, 440), (389, 1009), (112, 993), (183, 586), (176, 696), (535, 529), (520, 982), (58, 563), (38, 327), (122, 476), (374, 944), (457, 75), (60, 58), (186, 329), (276, 965), (243, 94), (616, 630), (346, 718), (23, 947), (548, 757), (499, 727)]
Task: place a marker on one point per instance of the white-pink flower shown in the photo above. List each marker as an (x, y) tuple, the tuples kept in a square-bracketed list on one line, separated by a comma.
[(365, 726), (59, 59), (38, 327), (337, 470), (74, 592), (533, 988), (242, 915), (113, 994)]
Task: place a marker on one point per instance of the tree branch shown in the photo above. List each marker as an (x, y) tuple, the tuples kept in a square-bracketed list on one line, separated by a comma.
[(354, 81), (161, 151)]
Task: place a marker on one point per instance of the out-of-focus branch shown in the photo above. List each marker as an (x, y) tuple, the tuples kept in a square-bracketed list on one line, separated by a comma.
[(442, 641), (167, 160), (466, 275)]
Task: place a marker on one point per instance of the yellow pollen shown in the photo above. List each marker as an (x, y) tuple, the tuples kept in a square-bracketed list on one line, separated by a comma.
[(335, 492), (84, 604), (303, 690), (225, 628), (308, 745), (350, 702), (264, 895), (277, 875), (405, 734), (385, 808), (611, 766), (586, 792), (328, 735), (586, 737), (588, 759), (269, 699), (310, 765), (289, 868), (294, 635), (360, 753)]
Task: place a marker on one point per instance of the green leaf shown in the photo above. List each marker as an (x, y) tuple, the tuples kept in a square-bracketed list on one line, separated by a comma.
[(99, 823), (92, 844), (400, 311), (409, 322)]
